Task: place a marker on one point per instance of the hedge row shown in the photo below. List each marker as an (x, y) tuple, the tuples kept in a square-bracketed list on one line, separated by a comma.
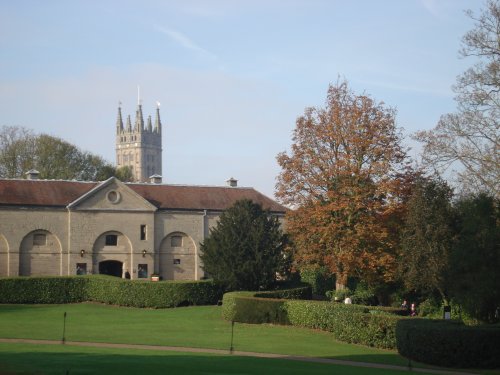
[(297, 291), (43, 289), (356, 324), (436, 342), (110, 290), (372, 326), (450, 344)]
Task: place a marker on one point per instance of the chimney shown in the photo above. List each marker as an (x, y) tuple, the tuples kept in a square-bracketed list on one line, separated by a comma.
[(32, 174), (232, 182), (155, 179)]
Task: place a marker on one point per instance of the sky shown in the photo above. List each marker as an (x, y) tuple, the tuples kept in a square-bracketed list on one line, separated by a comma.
[(232, 76)]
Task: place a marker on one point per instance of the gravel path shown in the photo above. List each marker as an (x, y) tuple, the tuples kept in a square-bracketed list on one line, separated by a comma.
[(236, 352)]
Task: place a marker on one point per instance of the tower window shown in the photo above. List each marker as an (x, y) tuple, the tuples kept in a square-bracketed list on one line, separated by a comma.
[(111, 240), (143, 232), (176, 241), (39, 239)]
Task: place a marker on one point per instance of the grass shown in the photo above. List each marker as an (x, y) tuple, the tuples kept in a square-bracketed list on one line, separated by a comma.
[(200, 327), (45, 359)]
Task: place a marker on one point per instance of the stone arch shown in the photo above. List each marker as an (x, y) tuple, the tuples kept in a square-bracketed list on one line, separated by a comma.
[(112, 246), (40, 254), (4, 256), (178, 254)]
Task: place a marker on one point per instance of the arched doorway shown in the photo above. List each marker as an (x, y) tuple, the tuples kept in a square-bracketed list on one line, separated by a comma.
[(178, 257), (4, 257), (111, 254), (40, 254), (111, 268)]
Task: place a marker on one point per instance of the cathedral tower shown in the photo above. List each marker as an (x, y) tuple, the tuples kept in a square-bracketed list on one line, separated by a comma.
[(139, 147)]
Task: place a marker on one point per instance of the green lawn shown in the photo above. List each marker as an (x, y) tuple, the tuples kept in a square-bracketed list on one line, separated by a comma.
[(200, 327), (46, 359)]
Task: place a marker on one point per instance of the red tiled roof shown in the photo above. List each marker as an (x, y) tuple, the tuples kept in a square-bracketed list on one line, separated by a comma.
[(62, 193), (42, 192), (201, 197)]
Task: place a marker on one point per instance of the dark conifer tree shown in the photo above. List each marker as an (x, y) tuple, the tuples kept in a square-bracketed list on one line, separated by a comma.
[(245, 250)]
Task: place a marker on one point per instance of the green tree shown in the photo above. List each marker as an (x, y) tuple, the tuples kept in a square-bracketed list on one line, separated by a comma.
[(245, 250), (17, 151), (22, 150), (470, 138), (124, 174), (58, 159), (427, 238), (475, 261)]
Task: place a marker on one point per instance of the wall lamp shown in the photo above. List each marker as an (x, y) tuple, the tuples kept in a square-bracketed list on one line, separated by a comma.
[(82, 253), (144, 252)]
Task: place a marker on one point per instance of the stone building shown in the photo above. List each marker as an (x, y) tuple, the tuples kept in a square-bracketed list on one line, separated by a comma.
[(50, 227)]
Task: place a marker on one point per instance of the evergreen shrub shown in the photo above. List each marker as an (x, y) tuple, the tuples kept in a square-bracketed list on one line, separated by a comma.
[(43, 290), (110, 290), (153, 295), (300, 291), (367, 325), (449, 343)]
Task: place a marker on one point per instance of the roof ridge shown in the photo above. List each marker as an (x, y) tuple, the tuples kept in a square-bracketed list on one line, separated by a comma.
[(50, 180), (186, 185)]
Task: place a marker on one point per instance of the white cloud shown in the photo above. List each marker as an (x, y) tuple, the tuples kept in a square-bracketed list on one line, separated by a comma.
[(431, 6), (185, 42)]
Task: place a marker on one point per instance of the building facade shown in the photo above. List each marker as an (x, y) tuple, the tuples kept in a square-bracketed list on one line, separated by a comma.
[(131, 230)]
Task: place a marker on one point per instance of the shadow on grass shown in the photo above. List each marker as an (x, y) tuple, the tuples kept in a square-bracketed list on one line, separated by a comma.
[(38, 359)]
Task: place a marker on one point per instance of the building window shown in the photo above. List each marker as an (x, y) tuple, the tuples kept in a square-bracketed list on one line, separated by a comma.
[(176, 241), (143, 232), (131, 157), (81, 268), (177, 261), (142, 271), (111, 240), (113, 196), (39, 239), (125, 158)]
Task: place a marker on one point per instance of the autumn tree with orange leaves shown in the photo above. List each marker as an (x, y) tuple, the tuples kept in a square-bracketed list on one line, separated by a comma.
[(344, 178)]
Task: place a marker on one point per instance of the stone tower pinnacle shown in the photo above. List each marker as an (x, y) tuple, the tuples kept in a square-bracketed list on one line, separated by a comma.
[(119, 121), (139, 147), (139, 119), (157, 128), (149, 127)]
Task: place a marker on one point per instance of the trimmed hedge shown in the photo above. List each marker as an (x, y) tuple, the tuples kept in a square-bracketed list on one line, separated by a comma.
[(301, 291), (110, 290), (248, 309), (43, 289), (436, 342), (449, 343), (154, 295), (350, 323), (367, 325)]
